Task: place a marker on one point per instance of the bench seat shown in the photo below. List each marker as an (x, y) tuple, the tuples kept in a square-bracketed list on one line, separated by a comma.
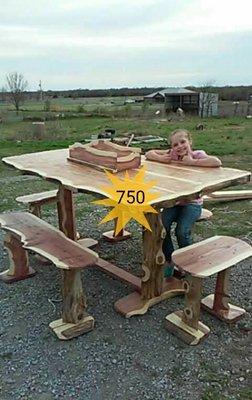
[(25, 232), (206, 215), (42, 238), (211, 255), (42, 198), (198, 261), (228, 195), (36, 200)]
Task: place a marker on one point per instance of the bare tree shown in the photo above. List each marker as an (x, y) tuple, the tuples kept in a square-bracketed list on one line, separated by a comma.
[(207, 99), (3, 91), (16, 85)]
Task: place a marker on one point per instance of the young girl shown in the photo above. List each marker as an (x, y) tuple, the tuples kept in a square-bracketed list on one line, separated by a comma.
[(185, 214)]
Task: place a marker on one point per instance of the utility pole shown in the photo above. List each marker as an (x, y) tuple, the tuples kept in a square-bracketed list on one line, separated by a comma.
[(249, 106), (40, 91)]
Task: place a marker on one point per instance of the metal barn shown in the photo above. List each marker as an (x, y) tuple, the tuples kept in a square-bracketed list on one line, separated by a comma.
[(202, 104)]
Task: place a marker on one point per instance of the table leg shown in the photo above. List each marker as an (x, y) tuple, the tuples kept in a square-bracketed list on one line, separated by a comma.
[(111, 237), (185, 323), (75, 321), (66, 216), (153, 287), (36, 210), (217, 303), (66, 212)]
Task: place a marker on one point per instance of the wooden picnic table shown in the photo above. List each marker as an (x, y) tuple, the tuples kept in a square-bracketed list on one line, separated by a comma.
[(175, 182)]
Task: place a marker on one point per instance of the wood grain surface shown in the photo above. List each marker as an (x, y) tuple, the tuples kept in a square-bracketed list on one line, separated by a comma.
[(49, 242), (173, 181), (211, 255)]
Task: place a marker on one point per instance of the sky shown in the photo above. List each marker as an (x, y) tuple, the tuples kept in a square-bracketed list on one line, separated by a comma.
[(135, 43)]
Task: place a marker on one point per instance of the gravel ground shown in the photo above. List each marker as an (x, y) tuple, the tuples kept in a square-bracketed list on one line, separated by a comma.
[(121, 358)]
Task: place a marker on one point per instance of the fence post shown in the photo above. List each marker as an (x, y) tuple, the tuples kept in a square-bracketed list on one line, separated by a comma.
[(38, 130)]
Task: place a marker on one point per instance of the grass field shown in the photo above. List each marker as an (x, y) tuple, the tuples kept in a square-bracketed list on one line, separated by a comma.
[(221, 136), (228, 138)]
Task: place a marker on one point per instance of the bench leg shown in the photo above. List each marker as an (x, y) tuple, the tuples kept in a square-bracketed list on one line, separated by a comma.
[(217, 303), (75, 321), (35, 209), (111, 237), (19, 268), (185, 324)]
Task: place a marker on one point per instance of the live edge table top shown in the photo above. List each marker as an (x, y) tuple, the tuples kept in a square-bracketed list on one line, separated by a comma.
[(174, 181)]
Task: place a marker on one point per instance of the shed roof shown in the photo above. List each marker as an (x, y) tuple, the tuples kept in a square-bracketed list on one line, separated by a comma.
[(170, 91)]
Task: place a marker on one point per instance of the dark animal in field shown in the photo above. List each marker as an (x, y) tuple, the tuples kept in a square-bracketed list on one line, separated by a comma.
[(108, 133), (199, 127), (180, 112)]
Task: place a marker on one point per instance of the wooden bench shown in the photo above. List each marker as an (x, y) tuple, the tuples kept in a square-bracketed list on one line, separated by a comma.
[(211, 256), (37, 200), (228, 195), (206, 215), (25, 232)]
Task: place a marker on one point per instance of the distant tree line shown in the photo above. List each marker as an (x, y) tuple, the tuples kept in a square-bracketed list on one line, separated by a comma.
[(232, 93), (126, 92)]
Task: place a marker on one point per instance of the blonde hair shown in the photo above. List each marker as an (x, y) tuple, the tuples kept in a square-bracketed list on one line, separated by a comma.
[(188, 135)]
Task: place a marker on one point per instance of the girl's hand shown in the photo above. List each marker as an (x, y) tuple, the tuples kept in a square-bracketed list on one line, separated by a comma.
[(208, 161), (159, 155), (188, 160), (165, 158)]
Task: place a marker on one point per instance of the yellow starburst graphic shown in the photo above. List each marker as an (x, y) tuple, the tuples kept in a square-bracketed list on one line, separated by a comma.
[(130, 198)]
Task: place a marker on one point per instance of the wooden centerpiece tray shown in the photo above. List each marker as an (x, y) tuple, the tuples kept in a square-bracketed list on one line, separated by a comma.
[(103, 154)]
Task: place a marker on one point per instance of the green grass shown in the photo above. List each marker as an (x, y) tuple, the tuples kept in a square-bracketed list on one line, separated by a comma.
[(221, 136), (229, 138), (219, 384), (215, 394)]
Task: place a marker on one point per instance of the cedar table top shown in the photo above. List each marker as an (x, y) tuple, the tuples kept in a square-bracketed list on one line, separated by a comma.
[(173, 181)]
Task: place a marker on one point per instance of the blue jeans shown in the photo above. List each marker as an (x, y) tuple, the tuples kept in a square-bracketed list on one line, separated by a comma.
[(185, 216)]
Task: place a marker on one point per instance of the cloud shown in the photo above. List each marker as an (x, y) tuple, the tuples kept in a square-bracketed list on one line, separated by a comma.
[(124, 43)]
